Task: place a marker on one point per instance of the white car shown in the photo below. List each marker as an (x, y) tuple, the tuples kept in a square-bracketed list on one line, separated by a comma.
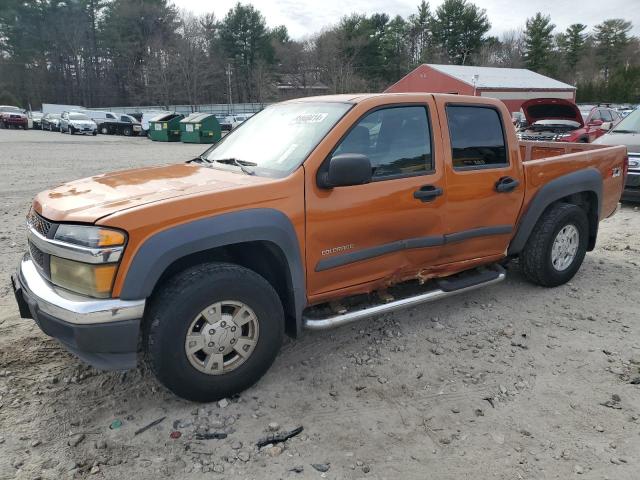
[(74, 122)]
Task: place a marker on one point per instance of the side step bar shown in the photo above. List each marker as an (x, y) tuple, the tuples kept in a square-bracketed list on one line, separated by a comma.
[(446, 288)]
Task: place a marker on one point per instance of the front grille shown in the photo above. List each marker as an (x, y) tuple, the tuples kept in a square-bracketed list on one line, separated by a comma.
[(38, 223), (538, 138), (38, 256)]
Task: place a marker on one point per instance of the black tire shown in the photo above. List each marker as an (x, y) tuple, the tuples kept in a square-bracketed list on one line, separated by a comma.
[(95, 132), (104, 130), (536, 260), (70, 130), (127, 132), (180, 300)]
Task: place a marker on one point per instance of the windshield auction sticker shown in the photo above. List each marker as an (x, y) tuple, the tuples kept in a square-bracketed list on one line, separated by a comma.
[(310, 118)]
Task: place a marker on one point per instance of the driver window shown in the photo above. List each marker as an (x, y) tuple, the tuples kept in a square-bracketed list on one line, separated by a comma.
[(397, 141)]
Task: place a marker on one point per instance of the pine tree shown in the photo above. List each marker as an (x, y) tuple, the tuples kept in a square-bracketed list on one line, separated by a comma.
[(538, 42), (459, 29), (611, 39)]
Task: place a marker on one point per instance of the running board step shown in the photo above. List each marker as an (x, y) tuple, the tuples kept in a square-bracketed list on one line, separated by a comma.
[(445, 287)]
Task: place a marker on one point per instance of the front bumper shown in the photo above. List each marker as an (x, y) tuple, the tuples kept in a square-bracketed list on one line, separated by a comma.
[(632, 186), (103, 333)]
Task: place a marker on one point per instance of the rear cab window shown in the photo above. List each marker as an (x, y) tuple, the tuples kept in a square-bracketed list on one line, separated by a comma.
[(477, 137), (396, 139)]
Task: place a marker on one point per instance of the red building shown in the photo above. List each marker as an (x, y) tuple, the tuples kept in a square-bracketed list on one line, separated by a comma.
[(511, 85)]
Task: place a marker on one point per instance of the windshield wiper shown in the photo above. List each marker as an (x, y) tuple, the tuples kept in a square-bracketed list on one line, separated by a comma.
[(242, 164), (624, 131), (199, 159)]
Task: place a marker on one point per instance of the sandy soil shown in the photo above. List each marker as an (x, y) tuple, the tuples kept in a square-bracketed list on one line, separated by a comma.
[(508, 382)]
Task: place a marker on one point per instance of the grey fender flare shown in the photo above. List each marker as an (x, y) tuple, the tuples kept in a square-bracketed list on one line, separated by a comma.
[(159, 251), (587, 180)]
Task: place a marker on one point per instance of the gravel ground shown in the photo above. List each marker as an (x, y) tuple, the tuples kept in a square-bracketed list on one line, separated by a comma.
[(509, 382)]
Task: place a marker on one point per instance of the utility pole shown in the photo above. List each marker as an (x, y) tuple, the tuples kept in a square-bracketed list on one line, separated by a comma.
[(228, 72)]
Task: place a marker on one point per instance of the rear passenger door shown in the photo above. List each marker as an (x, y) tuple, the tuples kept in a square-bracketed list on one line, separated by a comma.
[(483, 178)]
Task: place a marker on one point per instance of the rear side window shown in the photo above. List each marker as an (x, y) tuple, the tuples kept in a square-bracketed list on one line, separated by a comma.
[(477, 137), (397, 141), (605, 115)]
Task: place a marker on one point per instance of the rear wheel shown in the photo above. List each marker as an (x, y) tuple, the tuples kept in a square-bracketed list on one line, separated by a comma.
[(104, 130), (557, 246), (127, 132), (213, 331)]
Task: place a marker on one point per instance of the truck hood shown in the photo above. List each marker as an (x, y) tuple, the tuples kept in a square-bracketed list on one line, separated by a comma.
[(89, 199), (551, 109), (629, 140)]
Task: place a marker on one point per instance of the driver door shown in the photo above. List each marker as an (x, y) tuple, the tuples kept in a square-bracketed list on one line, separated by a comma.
[(388, 229)]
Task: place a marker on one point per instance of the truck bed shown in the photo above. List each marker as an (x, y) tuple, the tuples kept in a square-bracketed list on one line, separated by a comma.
[(544, 161)]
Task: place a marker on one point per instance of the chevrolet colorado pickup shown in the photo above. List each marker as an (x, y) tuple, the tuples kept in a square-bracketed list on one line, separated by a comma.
[(316, 213)]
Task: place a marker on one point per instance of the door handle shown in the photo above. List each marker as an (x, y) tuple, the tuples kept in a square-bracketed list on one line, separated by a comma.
[(427, 193), (506, 184)]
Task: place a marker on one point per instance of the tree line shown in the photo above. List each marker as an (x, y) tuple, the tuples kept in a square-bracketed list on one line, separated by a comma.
[(148, 52)]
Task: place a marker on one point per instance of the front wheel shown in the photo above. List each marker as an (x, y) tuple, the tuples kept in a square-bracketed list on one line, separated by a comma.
[(104, 130), (212, 331), (557, 246)]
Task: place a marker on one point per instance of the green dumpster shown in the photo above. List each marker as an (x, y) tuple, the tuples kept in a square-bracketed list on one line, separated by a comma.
[(200, 128), (165, 128)]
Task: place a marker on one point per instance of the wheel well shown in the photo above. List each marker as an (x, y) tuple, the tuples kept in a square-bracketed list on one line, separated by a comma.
[(263, 257), (588, 201)]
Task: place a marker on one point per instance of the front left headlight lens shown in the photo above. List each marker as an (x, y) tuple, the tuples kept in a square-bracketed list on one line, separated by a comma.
[(89, 236), (84, 278)]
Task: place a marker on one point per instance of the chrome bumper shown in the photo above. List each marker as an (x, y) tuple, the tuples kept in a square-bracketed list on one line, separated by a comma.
[(71, 308)]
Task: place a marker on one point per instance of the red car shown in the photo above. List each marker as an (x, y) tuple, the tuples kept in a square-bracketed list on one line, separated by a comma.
[(13, 117), (559, 120)]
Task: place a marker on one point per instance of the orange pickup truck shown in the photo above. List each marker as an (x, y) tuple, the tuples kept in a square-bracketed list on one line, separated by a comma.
[(314, 213)]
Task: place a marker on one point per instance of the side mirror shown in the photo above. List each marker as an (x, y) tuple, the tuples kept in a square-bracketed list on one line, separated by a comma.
[(346, 169), (606, 126), (595, 123)]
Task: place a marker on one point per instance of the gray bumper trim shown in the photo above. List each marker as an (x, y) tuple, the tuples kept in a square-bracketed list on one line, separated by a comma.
[(71, 308)]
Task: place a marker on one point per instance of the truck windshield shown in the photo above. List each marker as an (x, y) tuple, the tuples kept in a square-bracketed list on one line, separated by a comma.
[(278, 139), (630, 124)]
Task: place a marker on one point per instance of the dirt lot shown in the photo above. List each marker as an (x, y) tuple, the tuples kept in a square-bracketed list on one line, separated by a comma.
[(510, 382)]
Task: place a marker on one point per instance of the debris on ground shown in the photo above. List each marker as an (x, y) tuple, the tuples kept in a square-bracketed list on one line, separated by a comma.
[(279, 437), (147, 427), (613, 402), (211, 436), (321, 467)]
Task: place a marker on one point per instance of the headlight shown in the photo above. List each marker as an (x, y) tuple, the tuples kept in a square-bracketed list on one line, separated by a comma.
[(92, 237), (91, 266), (84, 278)]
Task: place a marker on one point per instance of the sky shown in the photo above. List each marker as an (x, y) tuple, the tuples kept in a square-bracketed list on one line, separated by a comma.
[(305, 17)]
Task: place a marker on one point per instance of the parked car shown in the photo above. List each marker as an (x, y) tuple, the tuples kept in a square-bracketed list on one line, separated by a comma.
[(99, 116), (559, 120), (13, 117), (518, 120), (627, 133), (232, 121), (148, 116), (123, 125), (51, 122), (35, 120), (207, 264), (75, 122)]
